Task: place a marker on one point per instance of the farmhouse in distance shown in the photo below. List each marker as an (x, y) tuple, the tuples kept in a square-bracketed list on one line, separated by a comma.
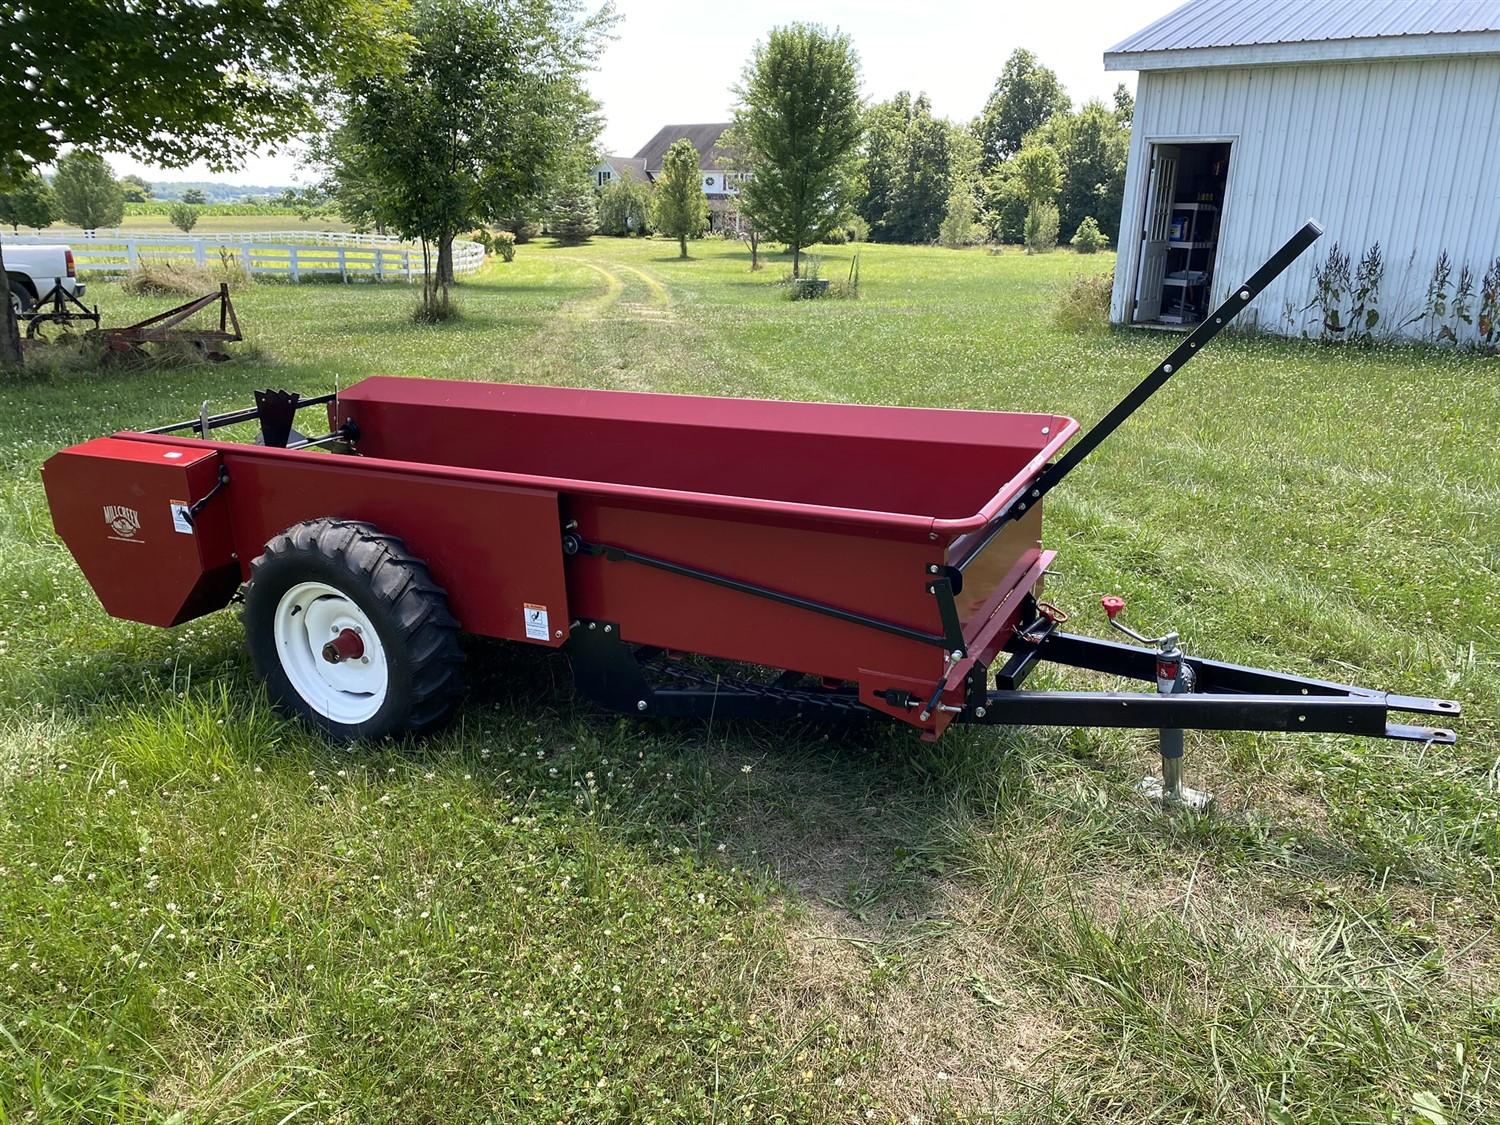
[(1379, 120), (720, 184)]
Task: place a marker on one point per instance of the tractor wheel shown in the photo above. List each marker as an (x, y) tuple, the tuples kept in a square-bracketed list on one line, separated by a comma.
[(350, 633), (21, 299)]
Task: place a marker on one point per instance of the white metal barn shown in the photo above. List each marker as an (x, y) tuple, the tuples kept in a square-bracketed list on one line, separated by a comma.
[(1380, 118)]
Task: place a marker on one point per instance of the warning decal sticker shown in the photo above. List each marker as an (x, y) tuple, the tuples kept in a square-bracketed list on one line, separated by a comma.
[(181, 521), (537, 628)]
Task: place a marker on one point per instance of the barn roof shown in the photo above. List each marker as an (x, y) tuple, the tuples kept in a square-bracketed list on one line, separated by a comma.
[(705, 139), (1265, 32)]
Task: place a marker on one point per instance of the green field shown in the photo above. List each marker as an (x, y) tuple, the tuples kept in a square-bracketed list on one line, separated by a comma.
[(545, 914), (211, 223)]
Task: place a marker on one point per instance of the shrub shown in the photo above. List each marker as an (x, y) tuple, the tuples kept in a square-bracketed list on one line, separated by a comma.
[(574, 216), (836, 237), (957, 227), (1084, 306), (1041, 228), (505, 245), (624, 207), (184, 216), (525, 225), (1088, 238), (859, 230)]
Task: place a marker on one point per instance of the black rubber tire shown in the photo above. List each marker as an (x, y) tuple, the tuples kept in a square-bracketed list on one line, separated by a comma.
[(396, 592), (22, 299)]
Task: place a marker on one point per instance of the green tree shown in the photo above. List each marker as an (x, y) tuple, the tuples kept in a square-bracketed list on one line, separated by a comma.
[(1092, 146), (957, 229), (193, 197), (799, 120), (1026, 94), (909, 165), (489, 115), (136, 189), (88, 195), (29, 204), (624, 207), (175, 81), (1039, 171), (184, 216), (574, 213), (1123, 105), (1041, 227), (1003, 204), (679, 208)]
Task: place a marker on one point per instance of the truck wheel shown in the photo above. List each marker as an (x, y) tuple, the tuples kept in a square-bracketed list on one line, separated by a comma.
[(349, 631), (21, 300)]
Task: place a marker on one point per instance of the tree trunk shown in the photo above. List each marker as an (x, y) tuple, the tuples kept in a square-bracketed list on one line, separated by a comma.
[(754, 249), (796, 261), (10, 328), (445, 260), (682, 242)]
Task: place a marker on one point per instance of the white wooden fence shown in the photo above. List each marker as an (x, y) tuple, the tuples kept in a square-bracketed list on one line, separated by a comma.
[(290, 254)]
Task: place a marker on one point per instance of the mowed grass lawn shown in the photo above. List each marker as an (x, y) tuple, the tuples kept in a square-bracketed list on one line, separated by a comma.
[(545, 914)]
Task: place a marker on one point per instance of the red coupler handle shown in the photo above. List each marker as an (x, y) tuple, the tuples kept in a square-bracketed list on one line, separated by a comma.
[(1113, 605)]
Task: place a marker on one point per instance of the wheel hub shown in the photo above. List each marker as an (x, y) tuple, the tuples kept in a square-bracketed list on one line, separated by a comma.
[(346, 646)]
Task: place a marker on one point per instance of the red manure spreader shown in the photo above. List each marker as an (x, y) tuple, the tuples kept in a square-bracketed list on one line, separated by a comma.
[(838, 562)]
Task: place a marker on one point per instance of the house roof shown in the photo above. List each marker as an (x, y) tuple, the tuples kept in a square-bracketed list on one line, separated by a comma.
[(1265, 32), (632, 166), (704, 138)]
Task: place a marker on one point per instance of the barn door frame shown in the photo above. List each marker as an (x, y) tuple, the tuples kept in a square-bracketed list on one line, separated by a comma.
[(1176, 140)]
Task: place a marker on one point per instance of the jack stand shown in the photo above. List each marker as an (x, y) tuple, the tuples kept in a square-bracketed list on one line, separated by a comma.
[(1173, 674), (1168, 789)]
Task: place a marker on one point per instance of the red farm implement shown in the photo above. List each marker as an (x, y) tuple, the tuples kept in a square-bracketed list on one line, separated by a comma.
[(880, 562)]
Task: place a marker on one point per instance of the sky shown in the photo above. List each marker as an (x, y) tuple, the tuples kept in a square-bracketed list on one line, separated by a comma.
[(673, 62)]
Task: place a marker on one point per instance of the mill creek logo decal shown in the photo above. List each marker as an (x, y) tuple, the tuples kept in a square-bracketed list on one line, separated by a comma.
[(124, 522)]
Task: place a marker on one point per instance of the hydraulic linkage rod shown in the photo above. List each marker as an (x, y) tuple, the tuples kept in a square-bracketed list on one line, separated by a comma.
[(1191, 346)]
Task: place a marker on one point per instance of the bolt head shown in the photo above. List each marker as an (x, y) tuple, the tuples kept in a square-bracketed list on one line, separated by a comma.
[(557, 633), (958, 654), (980, 712), (924, 716), (640, 704), (609, 628), (1167, 367)]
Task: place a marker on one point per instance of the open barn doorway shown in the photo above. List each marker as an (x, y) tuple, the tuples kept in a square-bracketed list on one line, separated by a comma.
[(1180, 235)]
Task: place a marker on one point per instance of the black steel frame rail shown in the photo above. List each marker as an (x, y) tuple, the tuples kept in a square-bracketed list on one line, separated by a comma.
[(1050, 476), (232, 417)]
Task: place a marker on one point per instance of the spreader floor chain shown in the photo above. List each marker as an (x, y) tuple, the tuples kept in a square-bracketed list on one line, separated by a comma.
[(694, 557)]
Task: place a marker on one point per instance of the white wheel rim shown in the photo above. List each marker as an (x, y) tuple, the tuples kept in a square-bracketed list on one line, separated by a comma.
[(311, 617)]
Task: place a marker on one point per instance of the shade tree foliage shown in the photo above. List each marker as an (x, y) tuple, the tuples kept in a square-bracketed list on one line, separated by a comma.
[(88, 195), (487, 120), (679, 208), (798, 120)]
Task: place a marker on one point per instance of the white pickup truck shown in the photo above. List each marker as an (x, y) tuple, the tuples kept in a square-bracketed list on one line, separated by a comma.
[(34, 270)]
